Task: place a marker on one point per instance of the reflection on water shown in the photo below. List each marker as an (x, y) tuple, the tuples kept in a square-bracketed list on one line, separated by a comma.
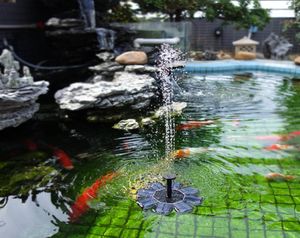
[(228, 160)]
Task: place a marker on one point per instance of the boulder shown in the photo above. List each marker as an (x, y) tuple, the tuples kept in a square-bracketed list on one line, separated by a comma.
[(244, 55), (125, 91), (140, 69), (147, 121), (18, 94), (210, 55), (132, 57), (18, 105), (297, 60), (127, 125), (176, 109), (223, 56), (107, 68), (276, 47)]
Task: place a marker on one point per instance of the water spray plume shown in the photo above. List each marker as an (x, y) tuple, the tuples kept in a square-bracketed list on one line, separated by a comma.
[(165, 61)]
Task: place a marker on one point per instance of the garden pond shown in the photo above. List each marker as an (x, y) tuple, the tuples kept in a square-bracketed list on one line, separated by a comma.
[(245, 164)]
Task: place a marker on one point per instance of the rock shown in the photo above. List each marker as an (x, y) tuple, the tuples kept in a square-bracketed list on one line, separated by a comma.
[(18, 95), (177, 108), (210, 55), (64, 23), (127, 90), (132, 57), (276, 47), (196, 55), (147, 121), (297, 60), (140, 69), (105, 56), (72, 46), (7, 60), (223, 56), (96, 79), (260, 55), (18, 105), (107, 68), (127, 125), (244, 55)]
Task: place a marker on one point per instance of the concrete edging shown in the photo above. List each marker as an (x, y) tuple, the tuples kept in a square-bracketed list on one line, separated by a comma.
[(283, 67)]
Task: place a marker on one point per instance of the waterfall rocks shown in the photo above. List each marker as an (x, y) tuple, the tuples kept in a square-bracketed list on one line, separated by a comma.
[(107, 69), (132, 57), (18, 94), (140, 69), (276, 47), (125, 91)]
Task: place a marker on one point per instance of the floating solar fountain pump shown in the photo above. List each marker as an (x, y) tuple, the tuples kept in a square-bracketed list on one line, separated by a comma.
[(163, 199)]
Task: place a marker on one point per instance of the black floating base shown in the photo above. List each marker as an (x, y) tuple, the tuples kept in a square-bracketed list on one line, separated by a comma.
[(155, 197)]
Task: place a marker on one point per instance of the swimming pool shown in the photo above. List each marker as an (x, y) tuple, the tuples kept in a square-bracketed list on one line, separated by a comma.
[(245, 165)]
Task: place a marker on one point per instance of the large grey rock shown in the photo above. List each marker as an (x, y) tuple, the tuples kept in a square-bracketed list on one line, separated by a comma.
[(140, 68), (127, 90), (64, 23), (18, 105), (18, 94), (276, 47), (106, 68)]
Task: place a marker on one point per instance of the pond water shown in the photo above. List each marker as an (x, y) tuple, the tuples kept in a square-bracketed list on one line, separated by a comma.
[(245, 164)]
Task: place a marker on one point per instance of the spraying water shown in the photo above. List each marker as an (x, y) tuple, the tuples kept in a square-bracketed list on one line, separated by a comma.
[(167, 57), (106, 37)]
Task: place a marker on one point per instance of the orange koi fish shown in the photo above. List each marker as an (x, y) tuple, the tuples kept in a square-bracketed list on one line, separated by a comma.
[(184, 153), (81, 204), (274, 138), (293, 134), (193, 124), (63, 158), (278, 147), (279, 177)]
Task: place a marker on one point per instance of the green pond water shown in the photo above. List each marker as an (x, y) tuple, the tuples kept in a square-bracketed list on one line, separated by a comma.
[(36, 193)]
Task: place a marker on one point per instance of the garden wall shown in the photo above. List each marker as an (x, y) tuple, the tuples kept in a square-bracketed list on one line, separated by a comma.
[(18, 25), (199, 34), (202, 35)]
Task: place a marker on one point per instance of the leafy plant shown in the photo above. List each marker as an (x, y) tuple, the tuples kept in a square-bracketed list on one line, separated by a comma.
[(244, 13)]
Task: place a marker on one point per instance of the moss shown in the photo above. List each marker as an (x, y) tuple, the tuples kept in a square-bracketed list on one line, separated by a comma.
[(22, 180)]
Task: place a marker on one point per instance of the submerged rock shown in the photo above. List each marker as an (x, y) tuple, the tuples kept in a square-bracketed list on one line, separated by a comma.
[(18, 94), (127, 90), (177, 108), (147, 121), (132, 57), (127, 125)]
